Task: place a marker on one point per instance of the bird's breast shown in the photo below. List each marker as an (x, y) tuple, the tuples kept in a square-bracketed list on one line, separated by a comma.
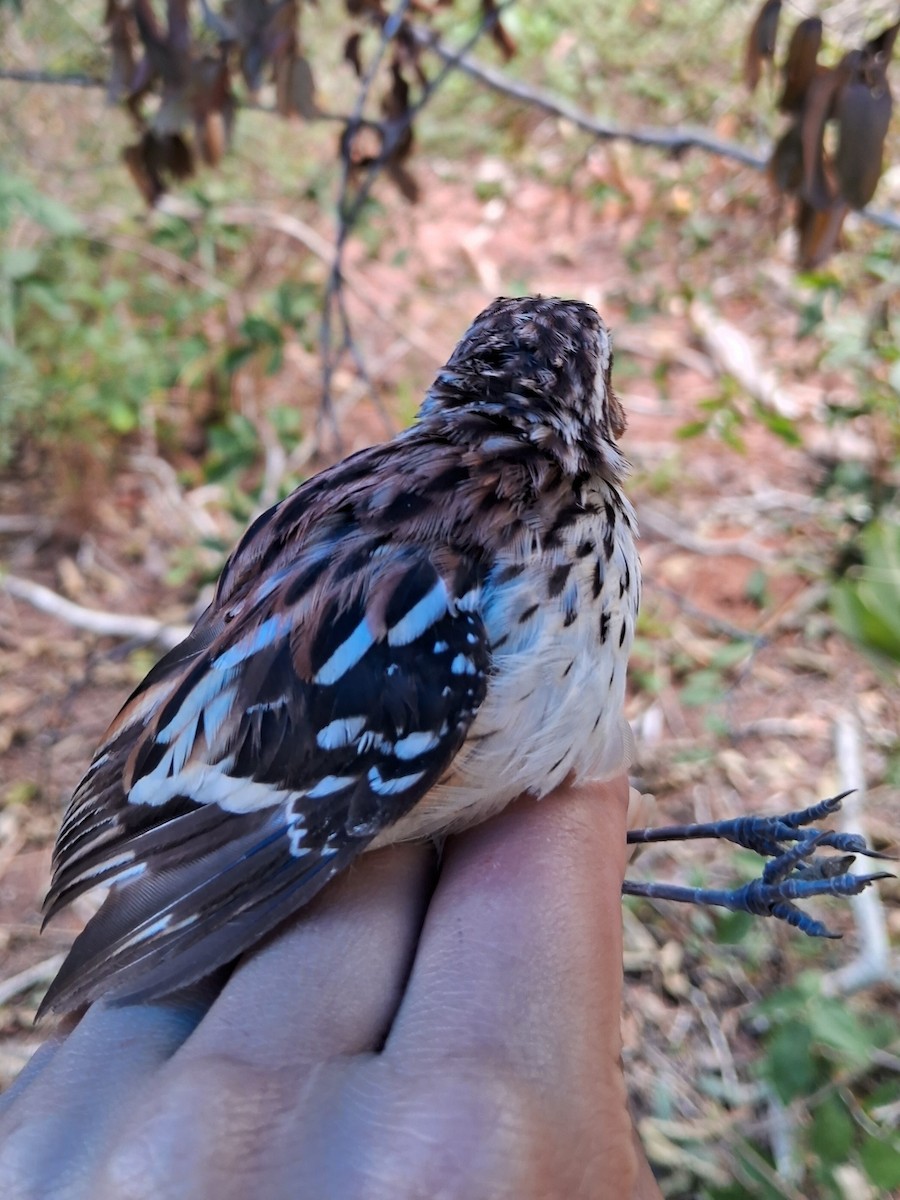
[(560, 631)]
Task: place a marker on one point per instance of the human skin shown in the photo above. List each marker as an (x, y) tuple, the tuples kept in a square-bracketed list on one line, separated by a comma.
[(413, 1034)]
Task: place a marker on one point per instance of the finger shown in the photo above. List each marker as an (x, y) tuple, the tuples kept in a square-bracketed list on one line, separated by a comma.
[(35, 1067), (54, 1131), (329, 982), (522, 943), (519, 968), (323, 988)]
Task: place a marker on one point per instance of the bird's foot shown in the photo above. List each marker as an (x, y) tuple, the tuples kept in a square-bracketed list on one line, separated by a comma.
[(794, 872)]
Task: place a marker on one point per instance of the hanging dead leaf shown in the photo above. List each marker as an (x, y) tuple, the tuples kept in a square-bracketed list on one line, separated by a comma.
[(171, 154), (352, 53), (303, 90), (786, 163), (800, 65), (167, 51), (863, 112), (761, 42), (213, 106), (122, 58), (499, 36), (148, 181), (819, 231), (403, 180), (816, 188), (881, 47), (358, 8)]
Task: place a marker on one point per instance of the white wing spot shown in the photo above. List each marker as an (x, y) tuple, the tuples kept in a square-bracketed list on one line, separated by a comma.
[(330, 784), (462, 666), (340, 732), (369, 739), (440, 647), (469, 602), (415, 744), (260, 637), (420, 617), (296, 837), (389, 787), (347, 655)]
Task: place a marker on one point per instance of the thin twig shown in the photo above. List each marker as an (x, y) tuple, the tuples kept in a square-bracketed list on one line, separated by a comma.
[(24, 981), (348, 213), (676, 140), (103, 624), (873, 963), (349, 210), (656, 522)]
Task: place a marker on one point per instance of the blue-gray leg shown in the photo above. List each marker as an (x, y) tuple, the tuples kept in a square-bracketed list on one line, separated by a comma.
[(795, 872)]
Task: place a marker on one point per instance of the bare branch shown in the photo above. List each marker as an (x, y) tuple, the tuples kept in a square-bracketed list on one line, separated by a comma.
[(873, 962), (103, 624), (676, 140)]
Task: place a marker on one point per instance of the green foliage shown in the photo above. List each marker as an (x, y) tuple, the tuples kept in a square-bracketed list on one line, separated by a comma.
[(99, 344), (89, 346), (866, 603), (725, 417), (815, 1046)]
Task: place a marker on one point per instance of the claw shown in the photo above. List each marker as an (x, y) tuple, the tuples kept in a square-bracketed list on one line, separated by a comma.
[(794, 871)]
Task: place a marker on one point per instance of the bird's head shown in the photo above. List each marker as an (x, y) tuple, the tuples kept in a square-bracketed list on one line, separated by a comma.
[(539, 367)]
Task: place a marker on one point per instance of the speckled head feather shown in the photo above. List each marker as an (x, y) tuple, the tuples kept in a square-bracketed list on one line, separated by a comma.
[(541, 366)]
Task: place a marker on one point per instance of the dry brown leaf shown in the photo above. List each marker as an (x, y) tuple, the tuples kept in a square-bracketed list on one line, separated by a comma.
[(302, 94), (352, 53), (800, 64), (499, 36), (817, 189), (863, 116), (122, 60), (786, 163), (819, 231), (761, 42)]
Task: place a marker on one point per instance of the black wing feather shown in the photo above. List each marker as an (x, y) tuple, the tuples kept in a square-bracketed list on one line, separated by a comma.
[(266, 755)]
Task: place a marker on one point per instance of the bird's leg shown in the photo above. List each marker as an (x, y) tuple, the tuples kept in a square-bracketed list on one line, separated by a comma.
[(795, 872)]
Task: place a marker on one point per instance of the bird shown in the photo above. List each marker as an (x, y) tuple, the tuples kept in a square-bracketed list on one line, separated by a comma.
[(414, 637), (410, 640)]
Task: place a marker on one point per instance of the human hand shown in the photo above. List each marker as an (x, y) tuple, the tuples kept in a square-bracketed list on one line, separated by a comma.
[(392, 1042)]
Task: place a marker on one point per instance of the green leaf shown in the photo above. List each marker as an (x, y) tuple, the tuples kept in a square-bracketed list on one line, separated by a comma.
[(789, 1064), (733, 927), (731, 655), (837, 1027), (881, 1161), (56, 218), (832, 1130), (261, 331), (691, 430), (19, 262), (236, 356), (781, 426), (295, 303), (702, 687), (121, 417)]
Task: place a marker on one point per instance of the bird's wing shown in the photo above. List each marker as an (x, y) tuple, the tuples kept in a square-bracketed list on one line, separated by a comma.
[(306, 712)]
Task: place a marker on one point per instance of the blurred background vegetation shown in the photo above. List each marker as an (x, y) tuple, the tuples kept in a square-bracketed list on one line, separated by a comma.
[(161, 380)]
